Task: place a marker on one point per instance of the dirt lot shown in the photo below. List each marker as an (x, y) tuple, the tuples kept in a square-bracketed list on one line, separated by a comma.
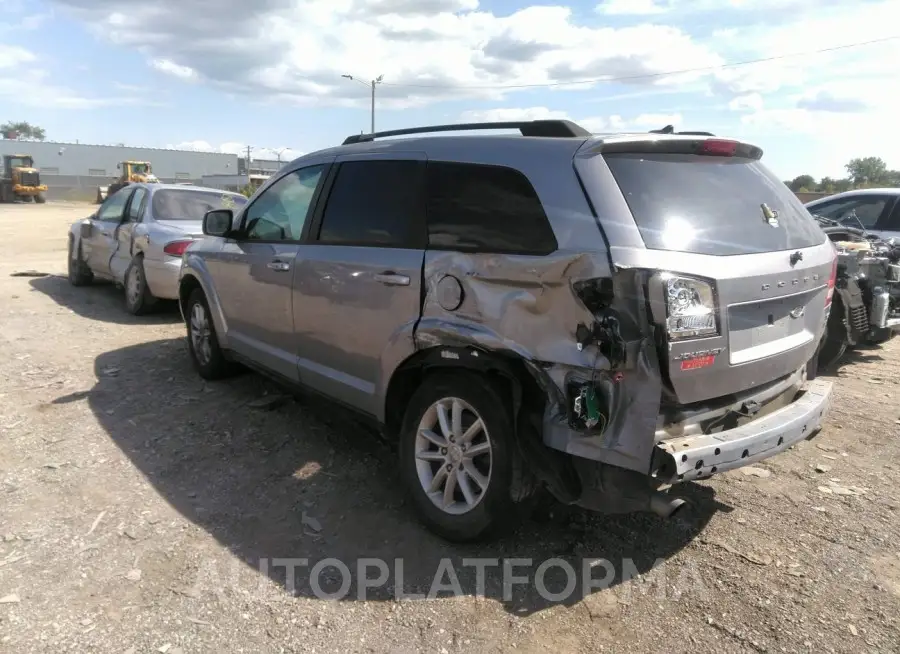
[(142, 510)]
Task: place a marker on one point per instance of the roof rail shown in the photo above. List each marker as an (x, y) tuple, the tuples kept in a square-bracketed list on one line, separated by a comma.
[(543, 128), (670, 129)]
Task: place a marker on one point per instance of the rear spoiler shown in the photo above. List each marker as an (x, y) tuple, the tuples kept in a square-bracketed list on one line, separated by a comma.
[(672, 143)]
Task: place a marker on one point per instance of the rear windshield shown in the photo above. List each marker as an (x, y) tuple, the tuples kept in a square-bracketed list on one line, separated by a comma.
[(191, 204), (711, 205)]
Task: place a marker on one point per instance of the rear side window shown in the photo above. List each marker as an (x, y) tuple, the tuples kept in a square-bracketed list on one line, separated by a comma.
[(484, 208), (377, 203), (711, 205), (190, 204)]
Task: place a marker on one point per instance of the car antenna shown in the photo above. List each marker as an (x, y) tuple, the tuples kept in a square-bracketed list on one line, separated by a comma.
[(668, 129)]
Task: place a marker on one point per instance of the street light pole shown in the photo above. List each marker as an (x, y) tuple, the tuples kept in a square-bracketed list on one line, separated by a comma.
[(371, 84)]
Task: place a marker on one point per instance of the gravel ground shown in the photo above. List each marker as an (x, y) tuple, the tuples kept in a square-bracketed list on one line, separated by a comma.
[(142, 510)]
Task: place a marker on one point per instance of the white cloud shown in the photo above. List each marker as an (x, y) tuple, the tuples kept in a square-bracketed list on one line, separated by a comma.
[(509, 114), (749, 102), (36, 90), (633, 7), (596, 124), (292, 51), (171, 68), (12, 56), (240, 149)]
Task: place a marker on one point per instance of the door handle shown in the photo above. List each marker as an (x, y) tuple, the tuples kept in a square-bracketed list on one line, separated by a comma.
[(391, 278), (280, 266)]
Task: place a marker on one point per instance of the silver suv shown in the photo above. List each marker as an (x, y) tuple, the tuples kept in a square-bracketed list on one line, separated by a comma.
[(604, 316)]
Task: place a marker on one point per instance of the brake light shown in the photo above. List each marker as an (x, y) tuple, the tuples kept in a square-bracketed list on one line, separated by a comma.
[(831, 282), (718, 148), (176, 248)]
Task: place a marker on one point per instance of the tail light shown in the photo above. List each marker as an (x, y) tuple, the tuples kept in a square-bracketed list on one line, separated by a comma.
[(690, 307), (718, 147), (831, 282), (176, 248)]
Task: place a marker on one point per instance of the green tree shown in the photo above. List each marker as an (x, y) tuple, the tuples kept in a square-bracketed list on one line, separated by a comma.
[(867, 171), (22, 131), (802, 182), (842, 185), (827, 185)]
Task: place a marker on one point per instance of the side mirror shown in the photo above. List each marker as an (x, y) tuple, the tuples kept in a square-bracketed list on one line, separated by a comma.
[(86, 228), (118, 166), (218, 222)]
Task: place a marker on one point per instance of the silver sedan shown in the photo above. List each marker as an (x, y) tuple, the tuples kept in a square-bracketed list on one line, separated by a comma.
[(137, 237)]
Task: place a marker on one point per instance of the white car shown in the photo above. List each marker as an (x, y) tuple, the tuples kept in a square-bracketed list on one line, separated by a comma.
[(137, 236)]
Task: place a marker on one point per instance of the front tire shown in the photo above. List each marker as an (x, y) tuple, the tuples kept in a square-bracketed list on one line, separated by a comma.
[(40, 199), (207, 357), (457, 448), (79, 273), (138, 298)]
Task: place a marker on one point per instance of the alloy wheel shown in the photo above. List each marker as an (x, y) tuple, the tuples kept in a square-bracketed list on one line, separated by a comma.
[(453, 455), (201, 334)]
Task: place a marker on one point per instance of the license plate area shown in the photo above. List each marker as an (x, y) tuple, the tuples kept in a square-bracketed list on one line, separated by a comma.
[(761, 329)]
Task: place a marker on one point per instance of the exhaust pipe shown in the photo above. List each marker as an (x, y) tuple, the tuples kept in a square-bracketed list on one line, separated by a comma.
[(666, 506)]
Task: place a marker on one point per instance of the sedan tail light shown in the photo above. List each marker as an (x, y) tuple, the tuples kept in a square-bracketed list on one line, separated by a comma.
[(176, 248), (690, 307)]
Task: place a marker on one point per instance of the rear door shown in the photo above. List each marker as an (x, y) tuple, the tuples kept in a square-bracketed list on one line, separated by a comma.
[(357, 283), (741, 268)]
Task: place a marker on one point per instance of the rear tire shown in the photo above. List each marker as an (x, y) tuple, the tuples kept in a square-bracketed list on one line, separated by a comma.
[(138, 298), (203, 344), (79, 272), (479, 502)]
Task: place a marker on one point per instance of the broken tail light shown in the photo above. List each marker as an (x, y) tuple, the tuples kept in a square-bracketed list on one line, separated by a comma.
[(690, 307), (176, 248)]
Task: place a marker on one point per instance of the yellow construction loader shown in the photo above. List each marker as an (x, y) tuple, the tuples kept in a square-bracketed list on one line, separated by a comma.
[(21, 180), (132, 172)]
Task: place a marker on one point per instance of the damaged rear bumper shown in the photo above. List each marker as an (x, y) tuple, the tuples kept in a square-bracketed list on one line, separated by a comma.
[(692, 457)]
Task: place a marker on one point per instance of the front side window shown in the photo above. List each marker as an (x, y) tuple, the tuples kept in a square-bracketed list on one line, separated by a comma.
[(114, 207), (854, 212), (375, 203), (474, 207), (281, 211)]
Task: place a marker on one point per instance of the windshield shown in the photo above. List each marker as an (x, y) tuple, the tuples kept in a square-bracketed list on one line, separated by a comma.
[(140, 169), (191, 204), (20, 162), (712, 205)]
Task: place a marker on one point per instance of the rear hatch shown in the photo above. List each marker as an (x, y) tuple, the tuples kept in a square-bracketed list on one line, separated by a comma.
[(742, 273)]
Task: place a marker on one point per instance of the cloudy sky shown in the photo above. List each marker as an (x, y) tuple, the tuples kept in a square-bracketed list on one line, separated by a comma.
[(219, 74)]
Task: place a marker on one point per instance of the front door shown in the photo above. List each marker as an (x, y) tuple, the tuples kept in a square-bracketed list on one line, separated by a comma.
[(99, 247), (254, 272), (357, 284), (121, 258)]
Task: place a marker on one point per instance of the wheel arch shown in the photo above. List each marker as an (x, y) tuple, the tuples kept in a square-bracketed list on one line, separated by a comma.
[(510, 373), (192, 279)]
